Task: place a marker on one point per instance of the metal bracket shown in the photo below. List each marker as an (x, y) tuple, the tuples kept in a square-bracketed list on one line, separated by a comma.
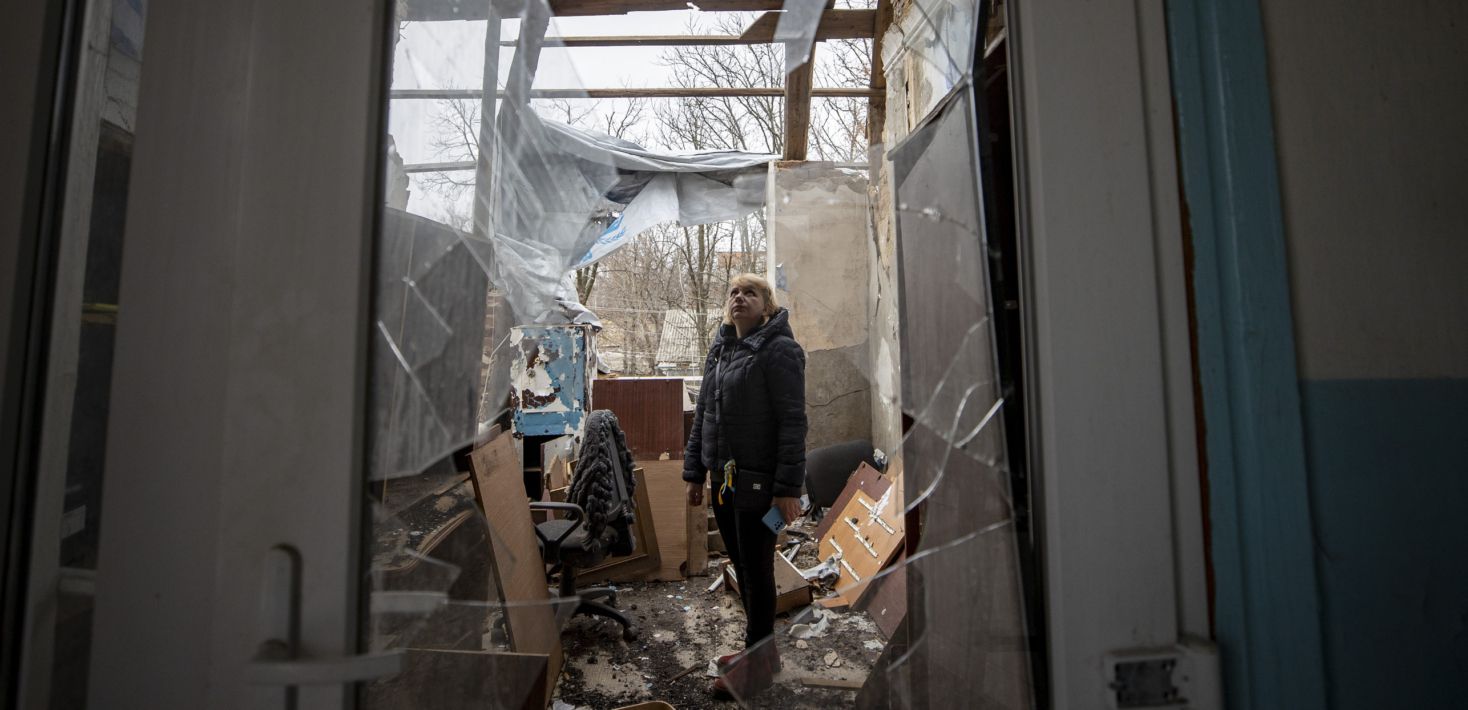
[(1183, 676)]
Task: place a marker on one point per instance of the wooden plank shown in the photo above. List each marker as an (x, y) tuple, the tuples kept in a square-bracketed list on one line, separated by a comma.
[(865, 479), (646, 555), (529, 615), (640, 41), (670, 513), (834, 24), (887, 603), (433, 678), (797, 107), (635, 93)]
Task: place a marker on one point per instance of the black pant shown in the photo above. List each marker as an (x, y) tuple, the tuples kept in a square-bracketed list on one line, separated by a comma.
[(751, 548)]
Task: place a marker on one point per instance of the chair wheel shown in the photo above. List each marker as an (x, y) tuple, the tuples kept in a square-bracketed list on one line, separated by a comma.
[(629, 634)]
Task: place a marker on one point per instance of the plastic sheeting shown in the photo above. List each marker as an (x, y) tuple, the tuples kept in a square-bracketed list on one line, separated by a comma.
[(689, 188)]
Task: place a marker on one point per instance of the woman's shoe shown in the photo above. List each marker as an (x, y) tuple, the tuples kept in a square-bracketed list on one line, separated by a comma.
[(749, 675), (724, 662)]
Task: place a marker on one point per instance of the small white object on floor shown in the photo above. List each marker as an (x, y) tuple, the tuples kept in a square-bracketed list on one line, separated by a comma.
[(802, 644), (813, 630), (873, 645), (833, 659), (825, 569), (713, 670)]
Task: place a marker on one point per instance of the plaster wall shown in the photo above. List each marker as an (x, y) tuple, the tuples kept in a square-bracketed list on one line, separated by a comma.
[(1368, 103), (818, 261), (1369, 100)]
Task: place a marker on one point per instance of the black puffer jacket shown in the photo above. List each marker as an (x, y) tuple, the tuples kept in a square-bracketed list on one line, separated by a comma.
[(751, 407)]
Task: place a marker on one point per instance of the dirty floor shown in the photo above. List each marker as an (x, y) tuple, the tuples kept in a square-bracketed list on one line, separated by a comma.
[(682, 625)]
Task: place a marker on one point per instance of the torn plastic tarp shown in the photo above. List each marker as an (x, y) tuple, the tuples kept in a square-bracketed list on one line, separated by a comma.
[(689, 188), (797, 29)]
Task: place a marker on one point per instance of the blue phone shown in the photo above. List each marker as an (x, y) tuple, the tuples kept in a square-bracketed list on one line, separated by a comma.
[(774, 520)]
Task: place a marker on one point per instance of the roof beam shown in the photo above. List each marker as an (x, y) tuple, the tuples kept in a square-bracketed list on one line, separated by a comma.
[(877, 105), (434, 10), (639, 93), (797, 107), (834, 24), (639, 41)]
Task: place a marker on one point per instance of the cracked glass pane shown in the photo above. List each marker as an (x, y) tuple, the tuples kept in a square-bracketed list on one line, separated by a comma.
[(566, 214)]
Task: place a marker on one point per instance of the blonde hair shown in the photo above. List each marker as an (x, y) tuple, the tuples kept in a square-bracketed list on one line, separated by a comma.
[(761, 285)]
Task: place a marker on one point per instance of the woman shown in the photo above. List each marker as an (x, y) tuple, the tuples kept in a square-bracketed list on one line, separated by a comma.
[(749, 433)]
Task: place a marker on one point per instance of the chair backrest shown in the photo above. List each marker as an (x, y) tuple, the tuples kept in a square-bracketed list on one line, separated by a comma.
[(604, 486)]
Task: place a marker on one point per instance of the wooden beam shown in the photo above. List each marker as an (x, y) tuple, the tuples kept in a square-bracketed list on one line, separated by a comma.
[(877, 104), (797, 107), (442, 167), (834, 24), (653, 93), (570, 8), (440, 10), (640, 41), (484, 164)]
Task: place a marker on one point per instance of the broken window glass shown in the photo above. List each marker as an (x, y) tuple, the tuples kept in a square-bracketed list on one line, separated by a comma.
[(562, 218)]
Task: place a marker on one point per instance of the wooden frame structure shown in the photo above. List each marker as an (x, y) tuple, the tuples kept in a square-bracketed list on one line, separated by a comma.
[(798, 89)]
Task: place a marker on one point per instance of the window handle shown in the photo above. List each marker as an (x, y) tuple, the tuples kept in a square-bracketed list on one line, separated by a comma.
[(277, 660)]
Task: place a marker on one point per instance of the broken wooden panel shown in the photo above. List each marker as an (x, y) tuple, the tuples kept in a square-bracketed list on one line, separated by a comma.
[(867, 480), (529, 611), (671, 515), (650, 410), (965, 614), (646, 554), (887, 601), (866, 535)]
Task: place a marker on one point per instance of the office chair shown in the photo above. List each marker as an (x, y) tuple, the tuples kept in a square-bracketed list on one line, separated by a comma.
[(600, 515)]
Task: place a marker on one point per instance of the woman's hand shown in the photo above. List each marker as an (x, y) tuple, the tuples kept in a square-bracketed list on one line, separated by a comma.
[(695, 493), (789, 508)]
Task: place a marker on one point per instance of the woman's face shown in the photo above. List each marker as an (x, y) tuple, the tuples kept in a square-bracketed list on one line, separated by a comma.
[(746, 305)]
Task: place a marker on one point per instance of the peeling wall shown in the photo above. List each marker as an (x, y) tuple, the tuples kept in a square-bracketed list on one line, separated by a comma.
[(918, 73), (884, 347), (818, 262)]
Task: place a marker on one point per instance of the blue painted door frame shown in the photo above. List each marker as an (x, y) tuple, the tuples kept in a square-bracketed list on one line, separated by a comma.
[(1267, 603)]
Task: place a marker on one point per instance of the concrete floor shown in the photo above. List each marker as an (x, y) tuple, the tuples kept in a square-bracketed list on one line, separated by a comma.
[(683, 626)]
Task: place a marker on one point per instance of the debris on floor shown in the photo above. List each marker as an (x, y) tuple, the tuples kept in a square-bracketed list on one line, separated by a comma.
[(826, 653)]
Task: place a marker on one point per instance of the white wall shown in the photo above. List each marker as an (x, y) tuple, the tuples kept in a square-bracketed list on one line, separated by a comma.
[(1371, 124)]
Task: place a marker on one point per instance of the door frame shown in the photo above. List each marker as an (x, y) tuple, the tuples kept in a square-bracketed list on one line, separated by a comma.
[(35, 51), (1107, 334), (1263, 547)]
